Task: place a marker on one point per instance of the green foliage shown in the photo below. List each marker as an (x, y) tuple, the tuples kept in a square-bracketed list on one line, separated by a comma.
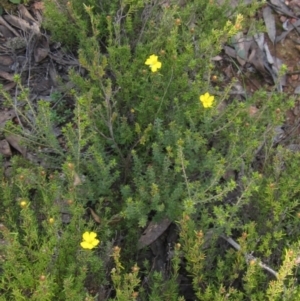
[(41, 254), (139, 145), (15, 1), (64, 24)]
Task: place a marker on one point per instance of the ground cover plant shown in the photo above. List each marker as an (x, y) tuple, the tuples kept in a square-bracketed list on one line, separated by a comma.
[(151, 138)]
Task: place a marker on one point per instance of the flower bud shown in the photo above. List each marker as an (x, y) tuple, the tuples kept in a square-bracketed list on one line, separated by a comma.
[(214, 78), (178, 22), (135, 294), (135, 269), (117, 249), (23, 204), (70, 165), (199, 234), (42, 278)]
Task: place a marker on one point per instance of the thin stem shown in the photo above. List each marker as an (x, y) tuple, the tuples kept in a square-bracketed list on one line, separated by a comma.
[(249, 257), (171, 77), (183, 170)]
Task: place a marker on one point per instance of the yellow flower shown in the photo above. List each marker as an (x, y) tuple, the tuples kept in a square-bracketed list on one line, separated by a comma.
[(23, 204), (89, 240), (153, 62), (207, 100)]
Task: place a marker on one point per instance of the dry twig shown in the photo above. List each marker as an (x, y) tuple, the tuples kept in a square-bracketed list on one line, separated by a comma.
[(249, 257)]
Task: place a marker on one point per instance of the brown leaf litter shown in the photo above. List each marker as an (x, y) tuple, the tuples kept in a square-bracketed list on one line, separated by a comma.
[(25, 50)]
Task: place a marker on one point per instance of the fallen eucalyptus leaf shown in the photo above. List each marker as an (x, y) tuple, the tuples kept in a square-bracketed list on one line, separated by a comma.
[(5, 148), (270, 23), (95, 216), (22, 24), (152, 232), (15, 142), (5, 116)]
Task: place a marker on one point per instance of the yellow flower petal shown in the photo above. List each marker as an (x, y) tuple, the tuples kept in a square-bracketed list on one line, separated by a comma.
[(153, 63), (148, 62), (95, 242), (155, 66), (86, 236), (151, 60), (89, 240), (86, 245), (207, 100), (93, 235)]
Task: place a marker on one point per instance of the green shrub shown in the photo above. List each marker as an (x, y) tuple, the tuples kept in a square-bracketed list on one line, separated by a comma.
[(142, 145)]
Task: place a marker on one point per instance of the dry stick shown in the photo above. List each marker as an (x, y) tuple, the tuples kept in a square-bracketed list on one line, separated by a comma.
[(147, 17), (249, 257)]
